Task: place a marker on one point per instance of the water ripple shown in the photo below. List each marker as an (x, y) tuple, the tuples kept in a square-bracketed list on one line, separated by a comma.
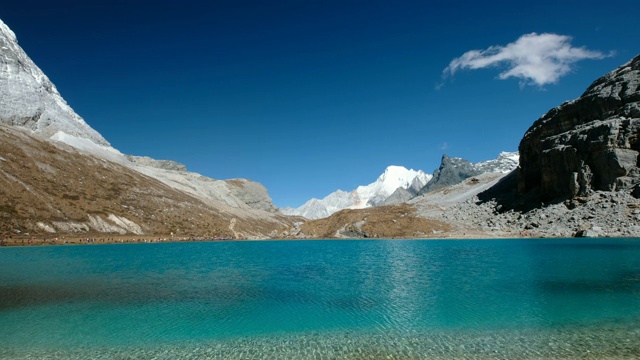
[(347, 299)]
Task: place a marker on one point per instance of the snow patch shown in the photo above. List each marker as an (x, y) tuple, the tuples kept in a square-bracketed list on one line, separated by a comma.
[(505, 163)]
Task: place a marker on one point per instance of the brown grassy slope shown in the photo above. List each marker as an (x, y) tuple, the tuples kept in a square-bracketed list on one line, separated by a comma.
[(41, 181), (398, 221)]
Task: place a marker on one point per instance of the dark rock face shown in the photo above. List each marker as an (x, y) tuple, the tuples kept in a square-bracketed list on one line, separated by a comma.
[(451, 171), (587, 144)]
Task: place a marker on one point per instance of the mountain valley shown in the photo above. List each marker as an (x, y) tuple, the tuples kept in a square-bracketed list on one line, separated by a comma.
[(576, 173)]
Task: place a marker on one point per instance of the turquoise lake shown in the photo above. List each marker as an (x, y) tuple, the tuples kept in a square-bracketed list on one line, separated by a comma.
[(529, 298)]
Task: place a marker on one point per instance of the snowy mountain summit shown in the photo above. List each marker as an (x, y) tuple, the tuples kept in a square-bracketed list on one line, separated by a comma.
[(505, 163), (393, 178), (374, 194)]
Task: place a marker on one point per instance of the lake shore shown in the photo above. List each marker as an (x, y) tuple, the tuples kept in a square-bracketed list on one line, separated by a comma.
[(99, 239)]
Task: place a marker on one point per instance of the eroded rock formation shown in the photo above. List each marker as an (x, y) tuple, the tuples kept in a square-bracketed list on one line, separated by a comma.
[(586, 144)]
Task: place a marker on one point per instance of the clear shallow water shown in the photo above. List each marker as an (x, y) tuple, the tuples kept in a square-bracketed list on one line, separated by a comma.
[(323, 299)]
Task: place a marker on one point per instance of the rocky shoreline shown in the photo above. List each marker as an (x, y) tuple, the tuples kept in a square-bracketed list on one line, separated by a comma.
[(602, 214)]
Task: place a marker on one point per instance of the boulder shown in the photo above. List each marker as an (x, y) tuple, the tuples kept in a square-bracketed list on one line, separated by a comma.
[(588, 233)]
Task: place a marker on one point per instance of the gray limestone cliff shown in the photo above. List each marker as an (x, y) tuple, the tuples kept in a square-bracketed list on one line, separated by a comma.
[(28, 99), (586, 144), (252, 193)]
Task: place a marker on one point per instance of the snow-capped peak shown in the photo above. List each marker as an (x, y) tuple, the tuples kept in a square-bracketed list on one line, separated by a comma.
[(392, 179), (505, 163)]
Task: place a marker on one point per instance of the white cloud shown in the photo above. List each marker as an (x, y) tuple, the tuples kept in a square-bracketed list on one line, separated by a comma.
[(535, 59)]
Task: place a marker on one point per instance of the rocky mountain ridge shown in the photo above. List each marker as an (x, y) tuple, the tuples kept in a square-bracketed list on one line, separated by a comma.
[(398, 185), (454, 170), (29, 100), (49, 188)]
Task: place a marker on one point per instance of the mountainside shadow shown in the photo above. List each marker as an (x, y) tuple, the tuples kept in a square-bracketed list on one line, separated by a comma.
[(505, 194)]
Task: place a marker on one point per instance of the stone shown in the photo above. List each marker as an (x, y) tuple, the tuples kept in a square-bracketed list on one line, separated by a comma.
[(588, 233), (532, 226)]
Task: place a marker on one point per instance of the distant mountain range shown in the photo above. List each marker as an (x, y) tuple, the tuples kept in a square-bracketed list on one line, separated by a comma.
[(398, 184), (393, 178), (578, 175)]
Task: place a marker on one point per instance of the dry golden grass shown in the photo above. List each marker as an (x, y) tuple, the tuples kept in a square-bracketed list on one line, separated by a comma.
[(41, 181), (398, 221)]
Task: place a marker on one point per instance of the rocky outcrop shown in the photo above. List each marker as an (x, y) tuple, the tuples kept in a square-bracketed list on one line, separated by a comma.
[(588, 144), (451, 171), (455, 170), (251, 193)]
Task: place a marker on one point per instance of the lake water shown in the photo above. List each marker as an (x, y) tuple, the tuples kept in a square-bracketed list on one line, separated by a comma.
[(399, 299)]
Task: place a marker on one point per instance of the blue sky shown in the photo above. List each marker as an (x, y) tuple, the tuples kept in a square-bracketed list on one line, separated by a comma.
[(308, 97)]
